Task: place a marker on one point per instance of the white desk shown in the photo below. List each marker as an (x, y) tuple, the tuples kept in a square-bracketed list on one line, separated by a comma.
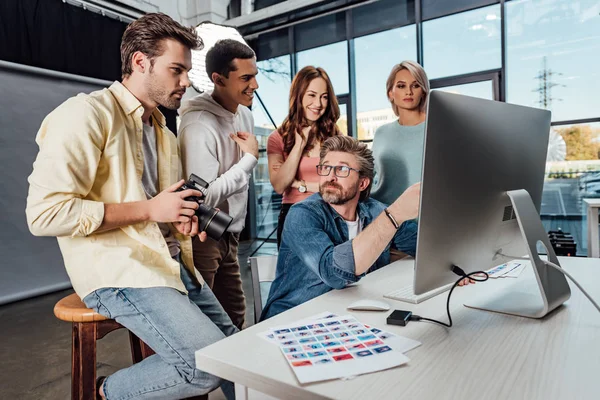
[(484, 356), (592, 227)]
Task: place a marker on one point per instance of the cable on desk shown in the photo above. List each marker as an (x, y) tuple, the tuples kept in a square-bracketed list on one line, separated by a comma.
[(550, 264), (561, 270), (457, 270)]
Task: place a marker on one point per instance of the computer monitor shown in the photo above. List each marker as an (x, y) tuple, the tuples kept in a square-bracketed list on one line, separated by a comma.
[(477, 155)]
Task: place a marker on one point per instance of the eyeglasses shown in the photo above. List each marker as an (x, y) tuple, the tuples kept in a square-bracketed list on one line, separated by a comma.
[(341, 171)]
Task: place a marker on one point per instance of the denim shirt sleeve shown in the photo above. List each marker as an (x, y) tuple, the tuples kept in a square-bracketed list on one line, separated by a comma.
[(305, 233), (405, 238)]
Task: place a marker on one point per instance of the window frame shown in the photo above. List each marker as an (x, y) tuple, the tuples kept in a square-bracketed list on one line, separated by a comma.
[(497, 76)]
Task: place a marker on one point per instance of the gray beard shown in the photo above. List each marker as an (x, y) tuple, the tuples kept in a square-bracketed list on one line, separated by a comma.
[(338, 198)]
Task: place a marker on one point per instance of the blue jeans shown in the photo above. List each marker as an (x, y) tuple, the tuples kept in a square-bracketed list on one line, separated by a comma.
[(174, 325)]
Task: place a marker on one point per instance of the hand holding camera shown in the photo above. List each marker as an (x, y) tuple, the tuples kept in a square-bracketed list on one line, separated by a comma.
[(181, 203), (173, 205), (210, 220)]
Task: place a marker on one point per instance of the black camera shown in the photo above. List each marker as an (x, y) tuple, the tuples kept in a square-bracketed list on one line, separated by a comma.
[(214, 222)]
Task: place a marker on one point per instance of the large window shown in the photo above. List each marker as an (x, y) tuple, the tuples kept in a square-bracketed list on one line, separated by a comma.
[(342, 123), (572, 174), (438, 8), (553, 56), (462, 43), (274, 80), (553, 53), (372, 106), (320, 32), (550, 60), (333, 58), (382, 15)]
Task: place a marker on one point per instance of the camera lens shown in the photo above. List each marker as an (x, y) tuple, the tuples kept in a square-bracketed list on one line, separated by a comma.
[(214, 222)]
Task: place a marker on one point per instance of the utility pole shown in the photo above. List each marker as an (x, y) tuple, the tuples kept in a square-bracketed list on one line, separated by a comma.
[(545, 86)]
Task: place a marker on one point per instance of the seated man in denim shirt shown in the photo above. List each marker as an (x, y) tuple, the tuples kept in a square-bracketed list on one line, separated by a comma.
[(336, 236)]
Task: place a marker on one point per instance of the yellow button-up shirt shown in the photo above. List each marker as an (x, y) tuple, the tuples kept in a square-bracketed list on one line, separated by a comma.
[(91, 154)]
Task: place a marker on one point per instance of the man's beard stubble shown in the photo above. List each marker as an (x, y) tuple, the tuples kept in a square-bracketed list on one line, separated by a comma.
[(339, 197), (159, 95)]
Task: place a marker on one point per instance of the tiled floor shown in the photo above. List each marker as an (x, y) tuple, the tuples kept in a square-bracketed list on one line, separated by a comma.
[(35, 347)]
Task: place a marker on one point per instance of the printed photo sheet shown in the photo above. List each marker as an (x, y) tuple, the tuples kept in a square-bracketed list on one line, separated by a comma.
[(511, 269), (335, 347), (398, 343)]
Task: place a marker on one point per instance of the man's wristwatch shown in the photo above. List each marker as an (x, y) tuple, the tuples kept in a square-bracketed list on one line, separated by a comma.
[(302, 188)]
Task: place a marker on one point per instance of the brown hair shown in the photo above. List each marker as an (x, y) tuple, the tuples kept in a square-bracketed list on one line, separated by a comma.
[(364, 156), (420, 76), (325, 127), (146, 35)]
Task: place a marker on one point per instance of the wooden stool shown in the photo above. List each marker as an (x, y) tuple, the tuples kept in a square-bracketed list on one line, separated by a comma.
[(88, 327)]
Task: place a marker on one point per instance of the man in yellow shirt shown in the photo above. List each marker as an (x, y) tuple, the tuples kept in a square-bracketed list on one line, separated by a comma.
[(104, 183)]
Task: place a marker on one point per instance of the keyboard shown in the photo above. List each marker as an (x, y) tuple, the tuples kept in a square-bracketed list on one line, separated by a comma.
[(406, 294)]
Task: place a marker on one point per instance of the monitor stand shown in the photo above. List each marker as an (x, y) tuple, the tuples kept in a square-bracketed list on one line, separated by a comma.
[(552, 284)]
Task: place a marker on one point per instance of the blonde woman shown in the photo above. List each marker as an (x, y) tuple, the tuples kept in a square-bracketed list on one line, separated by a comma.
[(398, 146)]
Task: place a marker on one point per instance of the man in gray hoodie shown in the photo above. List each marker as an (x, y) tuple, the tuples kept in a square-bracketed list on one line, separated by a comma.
[(216, 144)]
